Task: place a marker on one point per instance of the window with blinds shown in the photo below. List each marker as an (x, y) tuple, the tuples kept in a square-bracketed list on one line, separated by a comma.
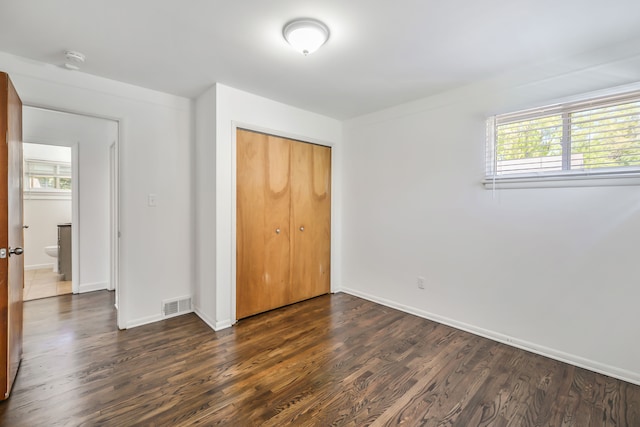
[(43, 175), (596, 137)]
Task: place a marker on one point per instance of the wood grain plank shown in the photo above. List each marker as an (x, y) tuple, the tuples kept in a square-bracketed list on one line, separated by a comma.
[(333, 360)]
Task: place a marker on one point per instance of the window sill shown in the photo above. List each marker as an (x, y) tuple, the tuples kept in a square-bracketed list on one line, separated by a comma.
[(563, 181), (47, 195)]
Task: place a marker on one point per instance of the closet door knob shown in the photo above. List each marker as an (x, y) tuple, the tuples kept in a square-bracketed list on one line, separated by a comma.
[(301, 228), (277, 231)]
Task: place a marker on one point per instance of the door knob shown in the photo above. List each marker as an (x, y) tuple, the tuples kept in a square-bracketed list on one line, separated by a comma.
[(16, 251), (277, 231), (25, 226), (301, 228)]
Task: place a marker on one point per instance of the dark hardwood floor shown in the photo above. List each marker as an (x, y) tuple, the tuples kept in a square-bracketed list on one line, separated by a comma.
[(334, 360)]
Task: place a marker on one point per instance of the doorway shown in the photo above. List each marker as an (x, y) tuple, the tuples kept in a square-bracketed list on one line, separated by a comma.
[(47, 196), (94, 220)]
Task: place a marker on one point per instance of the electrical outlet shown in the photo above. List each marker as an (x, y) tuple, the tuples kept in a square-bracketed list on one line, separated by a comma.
[(420, 282)]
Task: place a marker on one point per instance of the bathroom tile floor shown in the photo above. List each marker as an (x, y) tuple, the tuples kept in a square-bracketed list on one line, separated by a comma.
[(43, 283)]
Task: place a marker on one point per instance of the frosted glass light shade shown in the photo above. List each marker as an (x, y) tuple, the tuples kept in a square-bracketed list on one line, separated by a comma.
[(306, 35)]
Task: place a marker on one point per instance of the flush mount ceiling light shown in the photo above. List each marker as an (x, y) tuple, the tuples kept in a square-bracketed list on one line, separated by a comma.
[(73, 60), (305, 35)]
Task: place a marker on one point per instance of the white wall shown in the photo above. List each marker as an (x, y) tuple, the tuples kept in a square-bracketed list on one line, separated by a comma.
[(43, 152), (91, 137), (237, 107), (155, 157), (204, 300), (553, 270)]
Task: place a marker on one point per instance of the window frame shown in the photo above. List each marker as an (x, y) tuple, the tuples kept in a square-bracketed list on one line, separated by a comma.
[(31, 193), (606, 176)]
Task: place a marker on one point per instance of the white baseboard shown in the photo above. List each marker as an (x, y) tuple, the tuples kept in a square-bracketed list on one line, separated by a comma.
[(144, 321), (90, 287), (38, 266), (206, 319), (223, 324), (216, 326), (152, 319), (572, 359)]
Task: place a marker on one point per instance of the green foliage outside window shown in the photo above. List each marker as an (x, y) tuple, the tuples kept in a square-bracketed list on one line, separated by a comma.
[(601, 137), (41, 175)]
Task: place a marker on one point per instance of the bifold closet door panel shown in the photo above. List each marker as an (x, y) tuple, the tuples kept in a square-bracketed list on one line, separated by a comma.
[(262, 222), (310, 220)]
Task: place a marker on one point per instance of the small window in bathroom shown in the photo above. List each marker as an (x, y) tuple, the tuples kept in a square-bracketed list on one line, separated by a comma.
[(43, 175), (47, 171)]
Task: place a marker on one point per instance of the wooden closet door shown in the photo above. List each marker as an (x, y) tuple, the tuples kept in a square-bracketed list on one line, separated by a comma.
[(262, 223), (310, 220)]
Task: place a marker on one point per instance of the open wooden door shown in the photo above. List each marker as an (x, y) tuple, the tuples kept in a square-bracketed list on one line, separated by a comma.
[(11, 235)]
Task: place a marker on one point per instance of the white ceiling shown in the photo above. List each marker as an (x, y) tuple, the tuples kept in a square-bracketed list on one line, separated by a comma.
[(381, 52)]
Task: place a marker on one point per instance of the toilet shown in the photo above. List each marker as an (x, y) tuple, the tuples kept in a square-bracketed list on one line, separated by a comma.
[(52, 251)]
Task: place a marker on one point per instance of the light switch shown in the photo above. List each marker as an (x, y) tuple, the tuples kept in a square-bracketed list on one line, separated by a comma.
[(152, 200)]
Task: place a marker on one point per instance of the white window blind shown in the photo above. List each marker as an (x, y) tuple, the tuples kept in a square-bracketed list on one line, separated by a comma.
[(43, 175), (595, 137)]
